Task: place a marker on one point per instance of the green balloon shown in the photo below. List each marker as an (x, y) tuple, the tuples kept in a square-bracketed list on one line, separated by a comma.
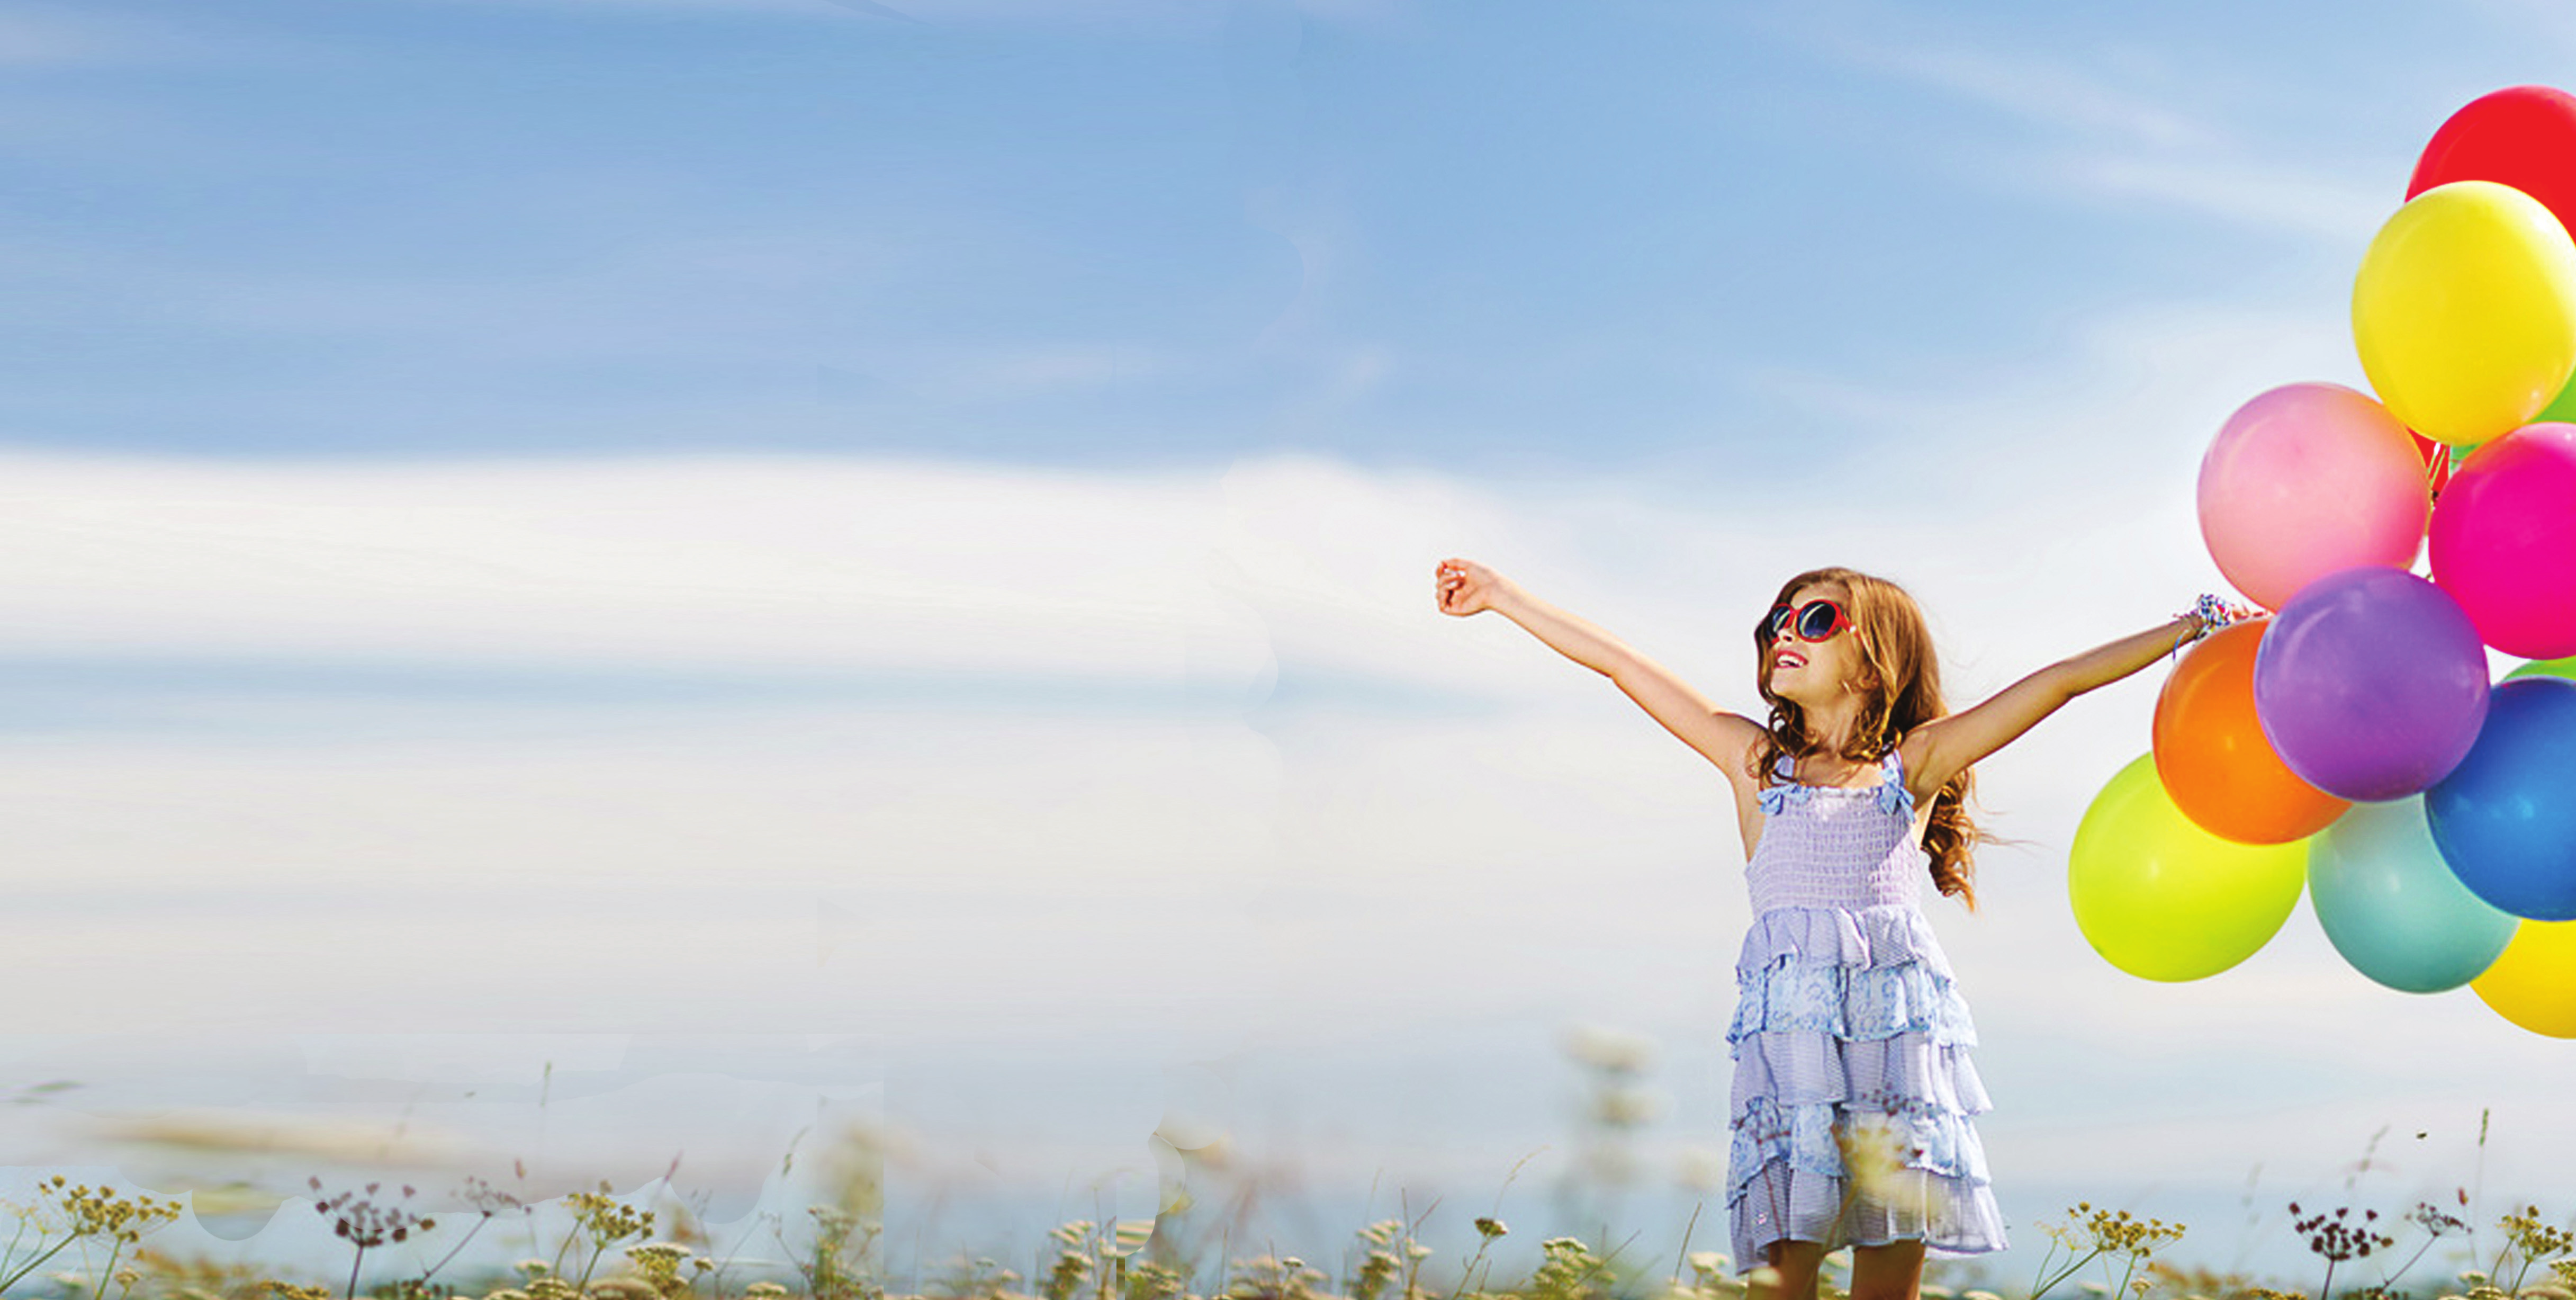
[(2545, 668), (2562, 408), (2163, 899)]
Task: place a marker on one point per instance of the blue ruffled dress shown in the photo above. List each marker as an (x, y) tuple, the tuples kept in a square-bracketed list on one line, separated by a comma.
[(1850, 1034)]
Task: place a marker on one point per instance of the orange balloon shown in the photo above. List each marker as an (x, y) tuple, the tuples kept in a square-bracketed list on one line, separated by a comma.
[(2211, 754)]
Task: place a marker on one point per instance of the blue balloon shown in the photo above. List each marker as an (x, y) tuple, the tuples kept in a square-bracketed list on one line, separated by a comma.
[(2505, 818), (2391, 905)]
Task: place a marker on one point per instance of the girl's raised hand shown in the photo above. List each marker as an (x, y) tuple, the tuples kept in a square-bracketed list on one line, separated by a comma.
[(1465, 587)]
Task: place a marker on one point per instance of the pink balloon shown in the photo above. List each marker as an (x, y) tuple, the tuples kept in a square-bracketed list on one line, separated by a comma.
[(2307, 479), (2504, 541)]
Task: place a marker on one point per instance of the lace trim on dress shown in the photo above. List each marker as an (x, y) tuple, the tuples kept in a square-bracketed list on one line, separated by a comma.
[(1891, 791)]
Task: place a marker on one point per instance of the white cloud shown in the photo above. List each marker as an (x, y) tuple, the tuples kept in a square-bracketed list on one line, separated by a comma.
[(775, 563)]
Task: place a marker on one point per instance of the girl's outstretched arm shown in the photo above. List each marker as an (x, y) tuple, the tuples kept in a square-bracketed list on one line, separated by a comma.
[(1464, 587), (1939, 750)]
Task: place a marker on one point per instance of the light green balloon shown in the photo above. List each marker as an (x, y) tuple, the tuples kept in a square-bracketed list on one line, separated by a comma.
[(2163, 899)]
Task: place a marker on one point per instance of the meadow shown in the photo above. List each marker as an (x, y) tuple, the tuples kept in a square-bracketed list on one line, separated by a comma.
[(73, 1241)]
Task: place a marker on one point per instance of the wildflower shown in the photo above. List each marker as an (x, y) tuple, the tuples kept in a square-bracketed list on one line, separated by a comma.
[(2336, 1240), (1877, 1153), (1628, 1107), (1610, 1049)]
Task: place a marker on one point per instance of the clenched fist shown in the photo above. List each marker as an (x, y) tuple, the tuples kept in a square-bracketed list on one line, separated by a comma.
[(1465, 587)]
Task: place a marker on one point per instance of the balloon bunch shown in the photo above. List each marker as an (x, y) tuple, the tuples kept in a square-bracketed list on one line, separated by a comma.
[(2352, 742)]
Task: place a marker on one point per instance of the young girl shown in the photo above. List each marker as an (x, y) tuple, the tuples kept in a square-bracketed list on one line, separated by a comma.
[(1853, 1089)]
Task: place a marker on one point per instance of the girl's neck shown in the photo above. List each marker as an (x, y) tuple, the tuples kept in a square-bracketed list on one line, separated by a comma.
[(1834, 725)]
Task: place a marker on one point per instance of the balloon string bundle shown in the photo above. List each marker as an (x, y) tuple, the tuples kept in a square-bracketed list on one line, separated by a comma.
[(2213, 614)]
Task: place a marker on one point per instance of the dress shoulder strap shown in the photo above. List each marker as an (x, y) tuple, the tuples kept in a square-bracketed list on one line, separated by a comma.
[(1892, 794)]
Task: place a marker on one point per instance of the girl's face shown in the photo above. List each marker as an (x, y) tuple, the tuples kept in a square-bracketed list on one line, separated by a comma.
[(1812, 673)]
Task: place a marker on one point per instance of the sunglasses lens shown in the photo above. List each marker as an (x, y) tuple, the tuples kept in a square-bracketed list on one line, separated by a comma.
[(1773, 623), (1816, 621)]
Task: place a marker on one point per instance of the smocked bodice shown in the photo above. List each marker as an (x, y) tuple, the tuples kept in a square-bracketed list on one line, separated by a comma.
[(1827, 846)]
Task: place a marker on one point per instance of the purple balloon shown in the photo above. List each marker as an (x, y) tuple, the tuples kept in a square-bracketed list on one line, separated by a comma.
[(2371, 683)]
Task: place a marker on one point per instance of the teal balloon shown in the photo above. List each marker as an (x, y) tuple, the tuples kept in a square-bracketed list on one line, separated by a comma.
[(2392, 906)]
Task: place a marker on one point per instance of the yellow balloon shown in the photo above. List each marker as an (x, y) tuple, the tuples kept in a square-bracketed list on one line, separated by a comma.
[(2163, 899), (2534, 983), (2465, 311)]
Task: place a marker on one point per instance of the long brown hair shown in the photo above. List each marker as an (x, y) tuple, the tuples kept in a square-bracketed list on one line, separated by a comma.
[(1904, 692)]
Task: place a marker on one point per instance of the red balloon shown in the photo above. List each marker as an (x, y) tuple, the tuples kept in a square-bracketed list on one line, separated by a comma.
[(2437, 460), (2524, 137)]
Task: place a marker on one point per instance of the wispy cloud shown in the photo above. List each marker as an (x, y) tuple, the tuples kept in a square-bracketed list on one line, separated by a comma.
[(46, 37), (1195, 18), (836, 9), (2109, 127), (2036, 89), (2271, 196)]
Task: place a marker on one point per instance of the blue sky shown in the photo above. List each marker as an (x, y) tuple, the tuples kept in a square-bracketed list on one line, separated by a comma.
[(1154, 233), (764, 497)]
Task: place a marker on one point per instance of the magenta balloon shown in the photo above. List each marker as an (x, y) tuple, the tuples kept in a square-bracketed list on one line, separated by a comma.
[(2307, 479), (2370, 684), (2504, 541)]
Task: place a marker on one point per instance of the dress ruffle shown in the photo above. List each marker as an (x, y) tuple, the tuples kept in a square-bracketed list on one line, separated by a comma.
[(1854, 1013), (1955, 1215), (1876, 1074), (1893, 934), (1918, 1135)]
